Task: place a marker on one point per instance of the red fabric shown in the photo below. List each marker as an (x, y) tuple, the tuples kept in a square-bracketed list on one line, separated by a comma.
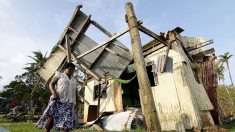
[(13, 102)]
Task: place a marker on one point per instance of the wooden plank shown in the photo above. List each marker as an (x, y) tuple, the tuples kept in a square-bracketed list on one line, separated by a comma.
[(97, 56), (200, 45), (171, 39), (67, 41), (104, 43), (200, 55), (84, 27), (97, 127), (70, 22), (154, 48), (82, 64), (111, 51), (73, 30), (165, 58), (36, 86), (83, 98), (179, 41), (98, 104), (152, 34), (117, 96), (101, 28)]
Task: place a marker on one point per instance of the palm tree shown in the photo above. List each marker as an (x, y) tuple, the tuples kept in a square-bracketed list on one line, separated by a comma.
[(220, 73), (39, 60), (224, 59)]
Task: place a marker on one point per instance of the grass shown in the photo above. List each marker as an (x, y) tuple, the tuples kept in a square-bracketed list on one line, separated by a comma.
[(30, 127), (224, 101), (230, 127), (21, 127), (225, 104)]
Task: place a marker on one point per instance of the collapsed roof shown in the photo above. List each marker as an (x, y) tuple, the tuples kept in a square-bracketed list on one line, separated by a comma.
[(109, 58)]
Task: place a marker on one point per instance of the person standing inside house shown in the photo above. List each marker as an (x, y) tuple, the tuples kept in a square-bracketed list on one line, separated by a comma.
[(60, 113)]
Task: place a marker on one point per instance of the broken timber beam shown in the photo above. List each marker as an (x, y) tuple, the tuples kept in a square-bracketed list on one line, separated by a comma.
[(200, 45), (67, 41), (97, 25), (150, 113), (36, 86), (104, 43), (102, 29), (165, 58), (81, 63), (152, 34), (171, 38), (84, 27)]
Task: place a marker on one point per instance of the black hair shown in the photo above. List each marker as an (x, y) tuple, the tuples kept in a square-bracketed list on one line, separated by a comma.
[(70, 64)]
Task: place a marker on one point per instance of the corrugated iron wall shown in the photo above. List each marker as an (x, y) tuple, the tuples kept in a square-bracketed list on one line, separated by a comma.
[(173, 97), (178, 97)]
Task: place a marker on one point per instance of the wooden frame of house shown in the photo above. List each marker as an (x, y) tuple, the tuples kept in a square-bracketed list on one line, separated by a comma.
[(179, 97)]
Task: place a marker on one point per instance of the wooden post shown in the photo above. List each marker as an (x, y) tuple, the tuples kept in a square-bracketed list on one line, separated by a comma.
[(150, 113), (36, 86), (67, 41), (163, 66), (99, 96)]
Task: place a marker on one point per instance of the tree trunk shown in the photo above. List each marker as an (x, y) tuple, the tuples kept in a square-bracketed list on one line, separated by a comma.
[(229, 73)]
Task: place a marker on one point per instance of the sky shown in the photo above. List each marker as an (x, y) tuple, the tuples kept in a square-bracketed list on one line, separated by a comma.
[(27, 25)]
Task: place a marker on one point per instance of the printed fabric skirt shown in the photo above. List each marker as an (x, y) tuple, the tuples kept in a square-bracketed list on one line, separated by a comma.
[(65, 117)]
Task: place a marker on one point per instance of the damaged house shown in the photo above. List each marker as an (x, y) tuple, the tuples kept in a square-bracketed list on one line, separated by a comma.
[(179, 84)]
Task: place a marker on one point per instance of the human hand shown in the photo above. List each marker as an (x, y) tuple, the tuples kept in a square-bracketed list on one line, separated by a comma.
[(55, 96)]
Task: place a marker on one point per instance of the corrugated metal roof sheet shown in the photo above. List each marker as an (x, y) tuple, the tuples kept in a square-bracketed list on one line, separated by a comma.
[(82, 44), (99, 61), (56, 58), (110, 64), (52, 64), (106, 63), (76, 23), (193, 41)]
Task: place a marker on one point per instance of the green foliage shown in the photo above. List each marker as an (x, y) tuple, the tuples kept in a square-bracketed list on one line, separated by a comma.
[(220, 72), (38, 60), (230, 127), (21, 88), (224, 100), (225, 59)]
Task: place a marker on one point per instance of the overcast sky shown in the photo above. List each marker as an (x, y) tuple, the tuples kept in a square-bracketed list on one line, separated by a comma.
[(31, 25)]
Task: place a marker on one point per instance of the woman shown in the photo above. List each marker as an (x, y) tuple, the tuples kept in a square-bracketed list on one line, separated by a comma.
[(60, 112)]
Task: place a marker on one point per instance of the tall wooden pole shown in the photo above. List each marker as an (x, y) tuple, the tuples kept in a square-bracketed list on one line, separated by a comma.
[(146, 96), (68, 48)]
